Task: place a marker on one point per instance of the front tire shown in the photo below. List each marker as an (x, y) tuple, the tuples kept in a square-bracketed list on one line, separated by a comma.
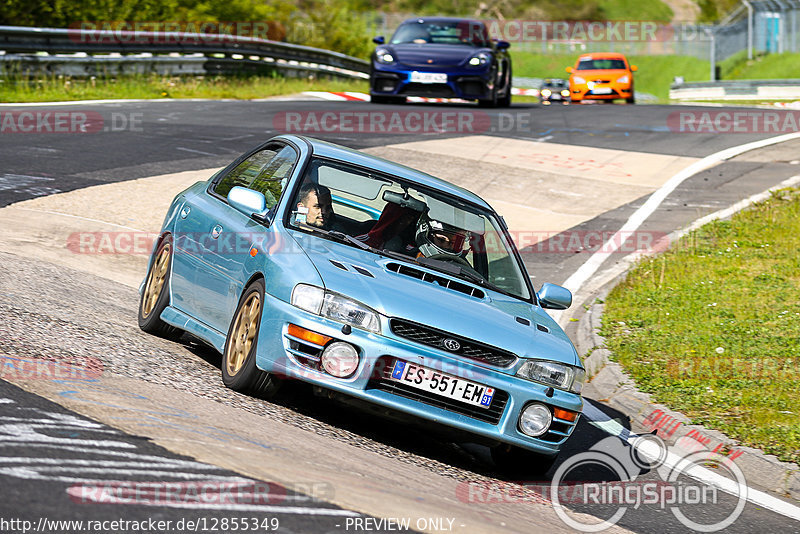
[(505, 101), (489, 102), (239, 371), (155, 297)]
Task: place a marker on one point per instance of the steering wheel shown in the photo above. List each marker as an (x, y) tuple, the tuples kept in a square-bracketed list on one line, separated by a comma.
[(454, 259)]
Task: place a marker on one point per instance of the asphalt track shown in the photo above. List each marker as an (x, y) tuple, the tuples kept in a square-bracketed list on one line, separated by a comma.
[(180, 136)]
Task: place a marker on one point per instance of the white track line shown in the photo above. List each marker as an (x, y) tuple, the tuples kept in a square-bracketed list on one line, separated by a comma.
[(673, 461), (590, 267)]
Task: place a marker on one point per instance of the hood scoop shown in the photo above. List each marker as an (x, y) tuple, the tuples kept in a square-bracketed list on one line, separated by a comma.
[(442, 281), (356, 268)]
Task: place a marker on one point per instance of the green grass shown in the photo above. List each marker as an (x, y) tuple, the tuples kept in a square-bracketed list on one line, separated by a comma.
[(145, 87), (654, 76), (650, 10), (711, 328), (761, 67)]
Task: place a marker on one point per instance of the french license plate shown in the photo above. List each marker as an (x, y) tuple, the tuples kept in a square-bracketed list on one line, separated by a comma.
[(442, 384), (601, 90), (428, 77)]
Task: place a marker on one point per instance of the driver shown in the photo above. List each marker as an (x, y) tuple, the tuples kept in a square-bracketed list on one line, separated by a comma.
[(435, 238), (316, 202)]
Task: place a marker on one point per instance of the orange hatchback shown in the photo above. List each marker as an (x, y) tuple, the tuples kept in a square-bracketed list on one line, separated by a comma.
[(603, 76)]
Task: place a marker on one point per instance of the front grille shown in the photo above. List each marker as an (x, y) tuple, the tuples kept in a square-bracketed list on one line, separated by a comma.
[(472, 350), (491, 415)]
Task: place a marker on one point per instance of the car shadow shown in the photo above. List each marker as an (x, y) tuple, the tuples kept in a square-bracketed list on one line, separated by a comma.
[(396, 430)]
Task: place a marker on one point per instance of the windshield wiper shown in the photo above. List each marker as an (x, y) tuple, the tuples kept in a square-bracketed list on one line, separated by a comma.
[(458, 270), (344, 238)]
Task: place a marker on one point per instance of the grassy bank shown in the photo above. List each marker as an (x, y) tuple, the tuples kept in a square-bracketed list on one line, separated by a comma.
[(145, 87), (761, 67), (712, 327)]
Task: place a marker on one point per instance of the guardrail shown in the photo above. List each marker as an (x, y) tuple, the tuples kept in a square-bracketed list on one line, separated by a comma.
[(736, 90), (75, 50)]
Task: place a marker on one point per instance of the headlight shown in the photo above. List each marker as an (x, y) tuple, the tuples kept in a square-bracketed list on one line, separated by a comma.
[(578, 79), (480, 59), (308, 298), (384, 56), (336, 307), (554, 374), (624, 79), (546, 92), (565, 92)]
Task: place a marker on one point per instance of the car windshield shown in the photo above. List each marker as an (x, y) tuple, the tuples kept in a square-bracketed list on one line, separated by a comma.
[(389, 216), (601, 64), (457, 32)]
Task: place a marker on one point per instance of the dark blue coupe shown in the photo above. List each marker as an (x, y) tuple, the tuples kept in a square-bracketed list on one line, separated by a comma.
[(441, 58)]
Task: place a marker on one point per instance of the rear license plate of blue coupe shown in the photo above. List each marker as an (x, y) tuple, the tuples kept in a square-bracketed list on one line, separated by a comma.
[(442, 384), (428, 77)]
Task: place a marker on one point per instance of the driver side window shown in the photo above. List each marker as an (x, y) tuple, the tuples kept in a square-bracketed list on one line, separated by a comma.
[(267, 171)]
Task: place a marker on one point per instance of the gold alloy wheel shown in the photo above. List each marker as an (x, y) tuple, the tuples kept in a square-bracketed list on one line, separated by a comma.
[(243, 334), (155, 282)]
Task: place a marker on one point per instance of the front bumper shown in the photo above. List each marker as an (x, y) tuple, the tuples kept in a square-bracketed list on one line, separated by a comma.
[(467, 84), (582, 92), (280, 354)]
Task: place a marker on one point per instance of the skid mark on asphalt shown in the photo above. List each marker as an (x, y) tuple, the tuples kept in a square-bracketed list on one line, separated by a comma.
[(28, 185)]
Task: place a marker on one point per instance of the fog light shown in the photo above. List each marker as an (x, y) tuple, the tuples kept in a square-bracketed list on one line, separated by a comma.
[(535, 419), (340, 359)]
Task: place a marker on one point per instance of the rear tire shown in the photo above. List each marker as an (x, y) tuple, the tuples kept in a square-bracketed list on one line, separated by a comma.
[(239, 371), (155, 296)]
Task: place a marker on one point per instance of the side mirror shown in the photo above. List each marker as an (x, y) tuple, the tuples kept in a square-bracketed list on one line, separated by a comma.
[(569, 69), (554, 297), (378, 40), (502, 45), (247, 201), (634, 68)]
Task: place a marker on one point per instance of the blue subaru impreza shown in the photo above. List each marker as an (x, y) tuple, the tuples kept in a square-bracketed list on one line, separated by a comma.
[(444, 58), (378, 283)]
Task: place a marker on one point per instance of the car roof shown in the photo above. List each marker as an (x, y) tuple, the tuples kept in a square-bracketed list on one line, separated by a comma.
[(338, 152), (442, 19)]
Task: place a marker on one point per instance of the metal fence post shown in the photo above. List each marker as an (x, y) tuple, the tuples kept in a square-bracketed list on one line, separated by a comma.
[(749, 28)]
